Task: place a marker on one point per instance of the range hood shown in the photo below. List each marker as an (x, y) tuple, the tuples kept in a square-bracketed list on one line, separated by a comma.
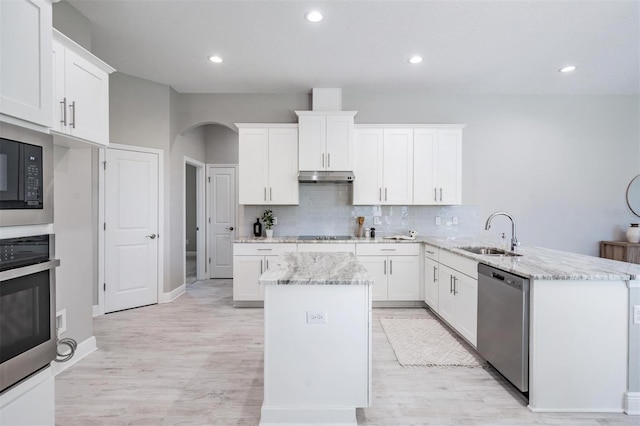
[(325, 176)]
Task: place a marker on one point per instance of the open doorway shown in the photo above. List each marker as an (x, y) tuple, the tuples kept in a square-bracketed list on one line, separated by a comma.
[(194, 227)]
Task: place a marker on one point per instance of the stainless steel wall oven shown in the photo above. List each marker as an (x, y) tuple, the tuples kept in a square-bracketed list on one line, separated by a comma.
[(27, 307)]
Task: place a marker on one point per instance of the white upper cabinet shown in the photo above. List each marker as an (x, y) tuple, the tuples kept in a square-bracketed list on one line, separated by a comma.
[(268, 164), (383, 166), (81, 92), (25, 63), (437, 166), (326, 140)]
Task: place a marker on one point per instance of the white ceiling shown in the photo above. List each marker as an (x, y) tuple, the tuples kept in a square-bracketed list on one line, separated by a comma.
[(469, 47)]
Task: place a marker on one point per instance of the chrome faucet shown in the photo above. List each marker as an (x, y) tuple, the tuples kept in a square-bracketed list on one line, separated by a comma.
[(514, 240)]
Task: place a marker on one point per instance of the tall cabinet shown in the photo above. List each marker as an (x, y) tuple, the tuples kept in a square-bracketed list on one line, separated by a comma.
[(268, 164)]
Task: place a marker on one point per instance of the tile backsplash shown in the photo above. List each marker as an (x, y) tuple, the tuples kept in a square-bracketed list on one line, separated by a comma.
[(326, 209)]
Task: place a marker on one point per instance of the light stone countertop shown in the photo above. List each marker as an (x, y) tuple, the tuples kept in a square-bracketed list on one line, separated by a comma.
[(536, 263), (316, 269)]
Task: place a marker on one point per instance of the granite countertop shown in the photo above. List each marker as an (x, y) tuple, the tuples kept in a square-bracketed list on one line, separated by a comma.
[(539, 263), (316, 269), (294, 239)]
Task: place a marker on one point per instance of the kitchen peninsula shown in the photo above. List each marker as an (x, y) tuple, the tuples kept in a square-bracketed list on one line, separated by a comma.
[(317, 350)]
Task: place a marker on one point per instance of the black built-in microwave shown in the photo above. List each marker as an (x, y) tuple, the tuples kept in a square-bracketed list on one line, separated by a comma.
[(21, 175)]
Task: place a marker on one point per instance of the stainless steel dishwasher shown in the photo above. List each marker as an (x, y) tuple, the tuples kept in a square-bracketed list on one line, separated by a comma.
[(503, 323)]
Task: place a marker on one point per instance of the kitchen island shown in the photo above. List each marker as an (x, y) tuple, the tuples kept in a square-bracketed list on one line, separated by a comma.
[(317, 343)]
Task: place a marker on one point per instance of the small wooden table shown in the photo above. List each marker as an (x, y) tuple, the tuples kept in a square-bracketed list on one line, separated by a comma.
[(620, 250)]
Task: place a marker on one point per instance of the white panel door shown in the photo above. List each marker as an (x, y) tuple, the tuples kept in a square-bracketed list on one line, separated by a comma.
[(222, 219), (367, 186), (339, 142), (404, 278), (131, 235), (424, 146), (59, 102), (87, 90), (397, 172), (253, 161), (313, 136), (449, 166), (25, 60), (283, 166), (376, 266)]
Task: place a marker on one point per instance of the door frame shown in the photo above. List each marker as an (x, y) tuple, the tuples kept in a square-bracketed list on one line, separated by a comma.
[(201, 202), (208, 209), (102, 155)]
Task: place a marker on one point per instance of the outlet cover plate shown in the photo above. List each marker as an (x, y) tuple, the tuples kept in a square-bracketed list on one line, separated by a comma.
[(316, 317)]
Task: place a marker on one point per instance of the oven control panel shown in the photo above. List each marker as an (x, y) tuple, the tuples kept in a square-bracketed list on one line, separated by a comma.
[(23, 251)]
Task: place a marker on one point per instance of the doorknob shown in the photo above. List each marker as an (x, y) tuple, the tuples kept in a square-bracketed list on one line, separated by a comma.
[(229, 228), (152, 236)]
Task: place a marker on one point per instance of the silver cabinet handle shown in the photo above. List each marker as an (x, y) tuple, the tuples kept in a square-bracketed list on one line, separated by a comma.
[(265, 193), (435, 278), (322, 160), (450, 284), (385, 194), (151, 236), (270, 194), (261, 266), (392, 249), (329, 160), (73, 106), (267, 263), (390, 267), (430, 252), (385, 267), (380, 194), (265, 249), (435, 194), (440, 194), (64, 111), (455, 279)]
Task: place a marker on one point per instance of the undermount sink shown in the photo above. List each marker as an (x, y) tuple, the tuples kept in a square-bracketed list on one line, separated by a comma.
[(489, 251)]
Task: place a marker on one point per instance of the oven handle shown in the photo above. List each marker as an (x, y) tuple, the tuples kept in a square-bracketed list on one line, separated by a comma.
[(28, 270)]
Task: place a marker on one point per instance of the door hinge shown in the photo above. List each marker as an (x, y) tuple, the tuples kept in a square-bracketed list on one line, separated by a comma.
[(104, 286)]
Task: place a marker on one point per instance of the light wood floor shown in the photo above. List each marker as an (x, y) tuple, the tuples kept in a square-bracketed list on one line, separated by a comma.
[(198, 361)]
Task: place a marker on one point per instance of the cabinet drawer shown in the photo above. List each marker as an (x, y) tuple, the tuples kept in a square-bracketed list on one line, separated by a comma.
[(393, 249), (459, 263), (266, 249), (431, 252), (327, 247)]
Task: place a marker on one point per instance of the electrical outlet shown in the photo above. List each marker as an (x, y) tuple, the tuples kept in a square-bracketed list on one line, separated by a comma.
[(455, 220), (438, 221), (275, 220), (61, 321), (316, 317), (636, 314)]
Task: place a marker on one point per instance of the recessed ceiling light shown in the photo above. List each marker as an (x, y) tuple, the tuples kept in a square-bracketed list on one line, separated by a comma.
[(215, 59), (568, 68), (314, 16), (415, 59)]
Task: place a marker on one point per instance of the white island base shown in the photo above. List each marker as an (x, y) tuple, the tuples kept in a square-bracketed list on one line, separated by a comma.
[(317, 352)]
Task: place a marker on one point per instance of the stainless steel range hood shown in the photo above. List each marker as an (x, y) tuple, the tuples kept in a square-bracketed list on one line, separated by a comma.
[(325, 177)]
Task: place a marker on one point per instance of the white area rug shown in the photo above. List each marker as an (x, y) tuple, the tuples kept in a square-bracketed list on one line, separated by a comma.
[(424, 342)]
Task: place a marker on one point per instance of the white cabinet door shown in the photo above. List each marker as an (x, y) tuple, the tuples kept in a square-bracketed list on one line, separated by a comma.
[(25, 61), (377, 266), (283, 166), (246, 271), (367, 186), (312, 138), (424, 149), (446, 298), (431, 283), (397, 160), (87, 92), (253, 161), (466, 297), (339, 136), (449, 166), (60, 118), (403, 278)]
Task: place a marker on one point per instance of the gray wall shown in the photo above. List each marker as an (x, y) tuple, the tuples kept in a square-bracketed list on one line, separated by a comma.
[(190, 208), (72, 23), (221, 144)]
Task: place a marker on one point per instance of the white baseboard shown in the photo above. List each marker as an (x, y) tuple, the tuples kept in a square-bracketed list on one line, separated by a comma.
[(84, 348), (96, 310), (173, 295), (632, 403)]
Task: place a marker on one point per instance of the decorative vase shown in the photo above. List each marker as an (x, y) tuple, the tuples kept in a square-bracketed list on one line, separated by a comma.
[(269, 232), (633, 233)]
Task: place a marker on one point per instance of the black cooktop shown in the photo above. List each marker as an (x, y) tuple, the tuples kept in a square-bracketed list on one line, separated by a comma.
[(325, 237)]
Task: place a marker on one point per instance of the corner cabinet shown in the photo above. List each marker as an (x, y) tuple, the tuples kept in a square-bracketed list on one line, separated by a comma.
[(268, 164), (326, 140), (25, 63), (413, 165), (81, 92), (395, 268)]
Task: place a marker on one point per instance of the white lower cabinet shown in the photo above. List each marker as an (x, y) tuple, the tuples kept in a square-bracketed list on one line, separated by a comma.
[(431, 271), (458, 294), (249, 262), (395, 268)]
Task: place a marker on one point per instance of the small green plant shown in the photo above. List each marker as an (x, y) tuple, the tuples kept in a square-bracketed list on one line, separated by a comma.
[(267, 219)]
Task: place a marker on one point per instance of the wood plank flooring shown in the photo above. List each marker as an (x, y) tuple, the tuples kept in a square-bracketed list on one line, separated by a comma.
[(198, 361)]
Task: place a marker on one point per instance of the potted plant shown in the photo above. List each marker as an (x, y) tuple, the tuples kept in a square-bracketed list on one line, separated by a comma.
[(267, 219)]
